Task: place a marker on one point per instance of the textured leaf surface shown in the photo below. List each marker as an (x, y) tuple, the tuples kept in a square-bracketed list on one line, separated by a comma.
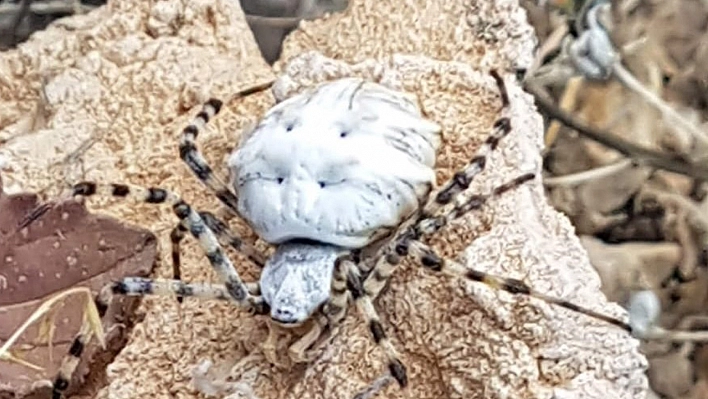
[(64, 247)]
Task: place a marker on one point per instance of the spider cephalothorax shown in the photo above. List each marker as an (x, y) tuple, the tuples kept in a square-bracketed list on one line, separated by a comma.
[(331, 174)]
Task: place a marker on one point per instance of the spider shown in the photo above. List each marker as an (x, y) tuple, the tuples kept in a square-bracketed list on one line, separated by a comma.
[(338, 232)]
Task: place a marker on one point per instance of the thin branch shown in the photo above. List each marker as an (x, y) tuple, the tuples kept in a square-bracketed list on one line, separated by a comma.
[(676, 120), (585, 176), (567, 102), (671, 162), (659, 334), (549, 45)]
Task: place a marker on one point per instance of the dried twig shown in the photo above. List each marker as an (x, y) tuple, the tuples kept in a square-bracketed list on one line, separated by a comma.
[(594, 55), (587, 175), (90, 313), (567, 103), (549, 45), (671, 162), (676, 121)]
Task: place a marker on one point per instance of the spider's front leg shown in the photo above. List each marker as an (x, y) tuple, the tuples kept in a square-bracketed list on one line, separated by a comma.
[(134, 286), (208, 241), (327, 316), (332, 312), (193, 158), (226, 237)]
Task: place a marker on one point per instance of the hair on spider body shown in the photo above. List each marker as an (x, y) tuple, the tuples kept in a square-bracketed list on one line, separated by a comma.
[(344, 196)]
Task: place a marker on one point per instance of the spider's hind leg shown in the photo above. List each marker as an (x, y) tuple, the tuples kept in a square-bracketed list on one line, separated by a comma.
[(409, 243), (428, 258), (463, 178), (193, 158), (454, 200)]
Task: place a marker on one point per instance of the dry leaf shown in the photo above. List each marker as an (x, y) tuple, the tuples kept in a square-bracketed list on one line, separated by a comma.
[(63, 248)]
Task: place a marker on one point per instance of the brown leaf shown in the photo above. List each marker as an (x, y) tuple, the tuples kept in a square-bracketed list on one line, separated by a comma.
[(65, 246)]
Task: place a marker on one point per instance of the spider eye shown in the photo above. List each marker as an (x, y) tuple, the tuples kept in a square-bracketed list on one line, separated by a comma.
[(343, 134), (322, 184), (280, 180), (289, 127)]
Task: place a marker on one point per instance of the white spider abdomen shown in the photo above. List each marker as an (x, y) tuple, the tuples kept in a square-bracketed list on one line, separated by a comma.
[(338, 164)]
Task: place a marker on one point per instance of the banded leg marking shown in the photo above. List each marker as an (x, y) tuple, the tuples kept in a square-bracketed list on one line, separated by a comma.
[(190, 154), (365, 305), (225, 236), (463, 203), (228, 237), (462, 179), (137, 286), (337, 305), (193, 222), (71, 361), (426, 256), (132, 286)]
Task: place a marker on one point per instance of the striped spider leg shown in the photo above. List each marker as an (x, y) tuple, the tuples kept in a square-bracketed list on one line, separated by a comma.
[(302, 277), (233, 288), (226, 237), (451, 201), (189, 153)]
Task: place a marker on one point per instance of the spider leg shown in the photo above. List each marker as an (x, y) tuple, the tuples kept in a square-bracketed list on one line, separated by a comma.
[(138, 286), (391, 255), (426, 256), (463, 203), (176, 236), (193, 158), (228, 237), (331, 313), (406, 242), (133, 286), (365, 305), (225, 236), (193, 222), (71, 360), (461, 180)]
